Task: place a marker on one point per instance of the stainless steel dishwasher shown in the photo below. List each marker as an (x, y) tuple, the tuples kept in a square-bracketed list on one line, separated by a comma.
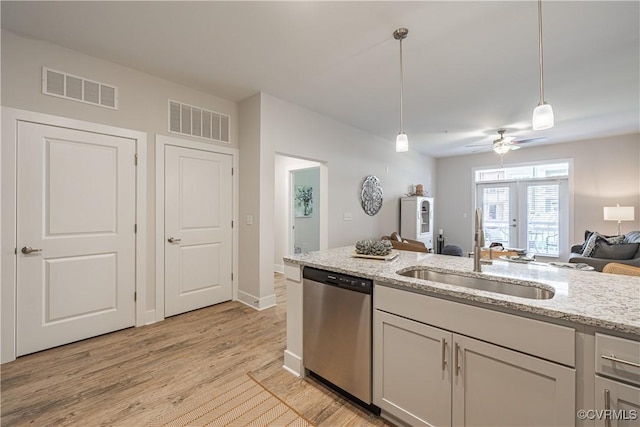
[(337, 316)]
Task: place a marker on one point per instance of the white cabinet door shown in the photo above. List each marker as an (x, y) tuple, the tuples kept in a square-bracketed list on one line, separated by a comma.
[(198, 213), (494, 386), (622, 400), (76, 210), (412, 370)]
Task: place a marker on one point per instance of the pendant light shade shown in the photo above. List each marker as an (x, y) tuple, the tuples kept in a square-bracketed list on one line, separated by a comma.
[(543, 113), (402, 142), (542, 117)]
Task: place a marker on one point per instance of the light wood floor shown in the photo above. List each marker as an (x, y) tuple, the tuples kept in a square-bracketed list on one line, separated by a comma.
[(128, 377)]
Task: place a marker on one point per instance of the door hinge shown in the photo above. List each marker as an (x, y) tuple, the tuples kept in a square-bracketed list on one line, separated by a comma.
[(135, 228), (231, 171), (135, 296), (232, 277), (231, 224), (15, 251), (135, 159)]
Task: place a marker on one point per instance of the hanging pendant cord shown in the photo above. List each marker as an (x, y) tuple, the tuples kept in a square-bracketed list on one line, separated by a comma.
[(401, 89), (540, 51)]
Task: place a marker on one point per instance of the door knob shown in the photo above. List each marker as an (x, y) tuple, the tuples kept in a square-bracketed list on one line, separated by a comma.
[(172, 240), (28, 250)]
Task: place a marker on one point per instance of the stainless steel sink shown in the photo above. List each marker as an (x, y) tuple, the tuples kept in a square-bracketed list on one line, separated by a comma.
[(514, 289)]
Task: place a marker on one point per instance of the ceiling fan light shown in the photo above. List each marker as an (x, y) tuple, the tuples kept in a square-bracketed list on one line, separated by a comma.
[(402, 142), (501, 148), (542, 117)]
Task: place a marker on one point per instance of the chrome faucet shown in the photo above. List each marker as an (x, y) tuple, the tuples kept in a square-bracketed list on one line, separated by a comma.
[(479, 243)]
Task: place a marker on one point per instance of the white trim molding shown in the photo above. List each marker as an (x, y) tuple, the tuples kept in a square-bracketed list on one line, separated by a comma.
[(257, 302), (10, 119)]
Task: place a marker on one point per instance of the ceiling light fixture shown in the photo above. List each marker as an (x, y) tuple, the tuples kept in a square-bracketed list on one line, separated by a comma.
[(501, 148), (402, 142), (502, 145), (543, 113)]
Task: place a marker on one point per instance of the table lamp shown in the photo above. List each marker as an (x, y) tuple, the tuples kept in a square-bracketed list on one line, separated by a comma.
[(619, 213)]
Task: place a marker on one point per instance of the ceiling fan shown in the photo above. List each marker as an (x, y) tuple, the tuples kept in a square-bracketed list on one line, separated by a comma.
[(504, 144)]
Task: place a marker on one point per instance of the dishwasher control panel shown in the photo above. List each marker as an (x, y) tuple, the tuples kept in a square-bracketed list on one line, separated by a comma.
[(340, 280)]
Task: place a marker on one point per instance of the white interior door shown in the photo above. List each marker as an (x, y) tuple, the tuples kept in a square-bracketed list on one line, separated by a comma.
[(198, 214), (75, 235)]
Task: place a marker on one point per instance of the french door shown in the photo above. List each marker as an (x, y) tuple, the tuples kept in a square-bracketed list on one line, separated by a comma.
[(527, 214)]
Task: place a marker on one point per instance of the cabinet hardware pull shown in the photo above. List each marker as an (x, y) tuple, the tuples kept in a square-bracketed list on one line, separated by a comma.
[(607, 407), (29, 250), (444, 351), (613, 358), (457, 349), (173, 240)]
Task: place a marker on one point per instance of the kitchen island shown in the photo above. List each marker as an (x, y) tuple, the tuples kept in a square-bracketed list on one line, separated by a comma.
[(563, 339)]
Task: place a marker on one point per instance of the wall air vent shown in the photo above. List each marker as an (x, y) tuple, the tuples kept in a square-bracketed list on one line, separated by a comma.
[(195, 121), (64, 85)]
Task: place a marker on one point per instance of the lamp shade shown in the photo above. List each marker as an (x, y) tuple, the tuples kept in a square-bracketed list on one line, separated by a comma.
[(542, 117), (619, 213), (402, 142)]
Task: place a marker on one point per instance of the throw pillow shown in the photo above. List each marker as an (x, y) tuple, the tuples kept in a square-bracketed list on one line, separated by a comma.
[(632, 237), (588, 234), (594, 238), (620, 251)]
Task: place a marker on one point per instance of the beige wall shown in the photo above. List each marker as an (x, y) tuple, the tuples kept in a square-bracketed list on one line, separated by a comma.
[(349, 155), (605, 172), (143, 104), (249, 199)]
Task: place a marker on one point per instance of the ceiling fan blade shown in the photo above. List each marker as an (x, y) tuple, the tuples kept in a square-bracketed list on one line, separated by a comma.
[(525, 141), (478, 145), (479, 150), (514, 147), (508, 139)]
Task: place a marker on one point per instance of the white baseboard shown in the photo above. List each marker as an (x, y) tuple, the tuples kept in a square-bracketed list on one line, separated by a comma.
[(150, 317), (293, 364), (255, 302), (278, 268)]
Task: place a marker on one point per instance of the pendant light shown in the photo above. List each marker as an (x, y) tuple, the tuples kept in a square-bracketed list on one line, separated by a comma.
[(543, 113), (402, 142)]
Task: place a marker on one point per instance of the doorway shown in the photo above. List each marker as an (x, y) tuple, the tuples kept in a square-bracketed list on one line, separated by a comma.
[(305, 204), (196, 240), (528, 214), (73, 230), (312, 228), (197, 222)]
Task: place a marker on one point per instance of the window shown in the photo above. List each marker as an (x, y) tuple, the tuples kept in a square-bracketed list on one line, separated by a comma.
[(526, 207)]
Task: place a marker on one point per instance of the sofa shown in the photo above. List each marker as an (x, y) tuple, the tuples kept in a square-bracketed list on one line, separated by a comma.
[(626, 252), (403, 244)]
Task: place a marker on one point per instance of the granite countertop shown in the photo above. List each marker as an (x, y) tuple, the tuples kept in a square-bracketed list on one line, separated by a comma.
[(607, 301)]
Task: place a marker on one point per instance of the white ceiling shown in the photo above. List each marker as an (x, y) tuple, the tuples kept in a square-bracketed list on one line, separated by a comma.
[(470, 67)]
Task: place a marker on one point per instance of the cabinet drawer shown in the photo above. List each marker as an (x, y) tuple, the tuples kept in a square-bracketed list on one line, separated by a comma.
[(618, 358)]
